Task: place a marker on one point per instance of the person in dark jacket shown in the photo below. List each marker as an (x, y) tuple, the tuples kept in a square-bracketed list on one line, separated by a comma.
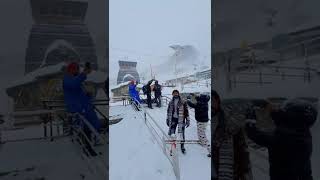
[(75, 97), (178, 116), (157, 93), (290, 144), (202, 118), (148, 93)]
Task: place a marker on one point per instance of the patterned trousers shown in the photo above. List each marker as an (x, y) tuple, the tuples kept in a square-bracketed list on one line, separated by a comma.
[(201, 128)]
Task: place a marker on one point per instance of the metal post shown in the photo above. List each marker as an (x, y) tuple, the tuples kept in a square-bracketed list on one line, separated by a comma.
[(45, 127), (260, 78), (51, 127), (145, 117), (164, 145), (58, 127)]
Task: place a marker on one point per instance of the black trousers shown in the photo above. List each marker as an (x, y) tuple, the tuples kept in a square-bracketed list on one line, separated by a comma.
[(149, 100), (158, 100), (172, 130)]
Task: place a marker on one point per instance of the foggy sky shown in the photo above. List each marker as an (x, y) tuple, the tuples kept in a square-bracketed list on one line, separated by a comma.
[(143, 27)]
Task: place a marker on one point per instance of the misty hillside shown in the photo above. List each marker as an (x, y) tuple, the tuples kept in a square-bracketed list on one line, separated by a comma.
[(184, 60)]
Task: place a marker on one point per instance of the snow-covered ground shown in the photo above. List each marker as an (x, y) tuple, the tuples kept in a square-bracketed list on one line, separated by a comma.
[(35, 159), (196, 155), (134, 154)]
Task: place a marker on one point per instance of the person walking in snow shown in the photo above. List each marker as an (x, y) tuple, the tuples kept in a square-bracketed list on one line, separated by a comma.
[(134, 94), (75, 97), (157, 93), (178, 116), (202, 118), (290, 144)]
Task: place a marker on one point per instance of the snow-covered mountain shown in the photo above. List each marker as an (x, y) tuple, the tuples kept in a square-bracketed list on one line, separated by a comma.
[(184, 60)]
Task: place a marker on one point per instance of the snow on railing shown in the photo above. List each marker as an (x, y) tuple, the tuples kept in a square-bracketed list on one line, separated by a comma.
[(99, 168), (160, 137)]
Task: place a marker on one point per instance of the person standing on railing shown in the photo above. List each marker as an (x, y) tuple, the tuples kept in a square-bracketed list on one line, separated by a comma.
[(202, 118), (75, 97), (134, 94), (178, 116), (157, 93)]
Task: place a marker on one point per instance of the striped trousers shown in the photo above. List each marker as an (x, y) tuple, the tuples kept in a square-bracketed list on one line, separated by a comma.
[(201, 128)]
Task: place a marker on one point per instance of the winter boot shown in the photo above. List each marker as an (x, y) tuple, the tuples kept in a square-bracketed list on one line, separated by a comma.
[(183, 149)]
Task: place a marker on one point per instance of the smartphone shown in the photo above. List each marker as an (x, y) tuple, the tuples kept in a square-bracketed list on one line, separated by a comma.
[(88, 65)]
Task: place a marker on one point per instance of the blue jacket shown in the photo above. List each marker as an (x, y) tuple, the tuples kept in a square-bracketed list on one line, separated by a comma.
[(133, 93), (74, 96)]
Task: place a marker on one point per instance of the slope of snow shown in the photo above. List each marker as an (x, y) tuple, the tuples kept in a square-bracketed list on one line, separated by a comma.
[(196, 155), (59, 159), (132, 152)]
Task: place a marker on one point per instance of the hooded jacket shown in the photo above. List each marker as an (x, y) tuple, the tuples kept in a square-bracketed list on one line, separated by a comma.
[(201, 108), (290, 144)]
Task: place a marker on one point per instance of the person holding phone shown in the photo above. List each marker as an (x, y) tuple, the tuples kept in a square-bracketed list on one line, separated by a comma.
[(75, 97)]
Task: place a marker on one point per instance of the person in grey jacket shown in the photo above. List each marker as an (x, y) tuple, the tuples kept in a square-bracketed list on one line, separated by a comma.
[(178, 116)]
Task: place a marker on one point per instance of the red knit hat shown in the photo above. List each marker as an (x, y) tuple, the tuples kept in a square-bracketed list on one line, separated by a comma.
[(72, 68)]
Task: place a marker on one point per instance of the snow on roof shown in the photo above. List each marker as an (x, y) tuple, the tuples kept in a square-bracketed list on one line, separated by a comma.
[(128, 76), (37, 73), (94, 76)]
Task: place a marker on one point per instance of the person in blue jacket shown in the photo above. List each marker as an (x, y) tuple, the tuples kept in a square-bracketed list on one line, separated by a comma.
[(75, 97), (134, 94)]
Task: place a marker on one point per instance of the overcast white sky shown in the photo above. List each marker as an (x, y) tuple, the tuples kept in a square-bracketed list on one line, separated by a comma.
[(148, 27)]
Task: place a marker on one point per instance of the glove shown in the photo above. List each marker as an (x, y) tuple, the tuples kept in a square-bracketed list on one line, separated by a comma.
[(168, 122)]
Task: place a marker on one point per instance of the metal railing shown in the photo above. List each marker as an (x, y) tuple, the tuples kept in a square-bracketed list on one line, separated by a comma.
[(55, 105), (159, 136), (97, 166)]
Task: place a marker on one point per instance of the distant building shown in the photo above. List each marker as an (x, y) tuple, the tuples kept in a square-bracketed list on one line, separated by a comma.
[(201, 75), (58, 35), (127, 72)]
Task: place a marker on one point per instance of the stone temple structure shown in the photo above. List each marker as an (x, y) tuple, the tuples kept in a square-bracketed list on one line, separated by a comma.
[(127, 72), (59, 34)]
